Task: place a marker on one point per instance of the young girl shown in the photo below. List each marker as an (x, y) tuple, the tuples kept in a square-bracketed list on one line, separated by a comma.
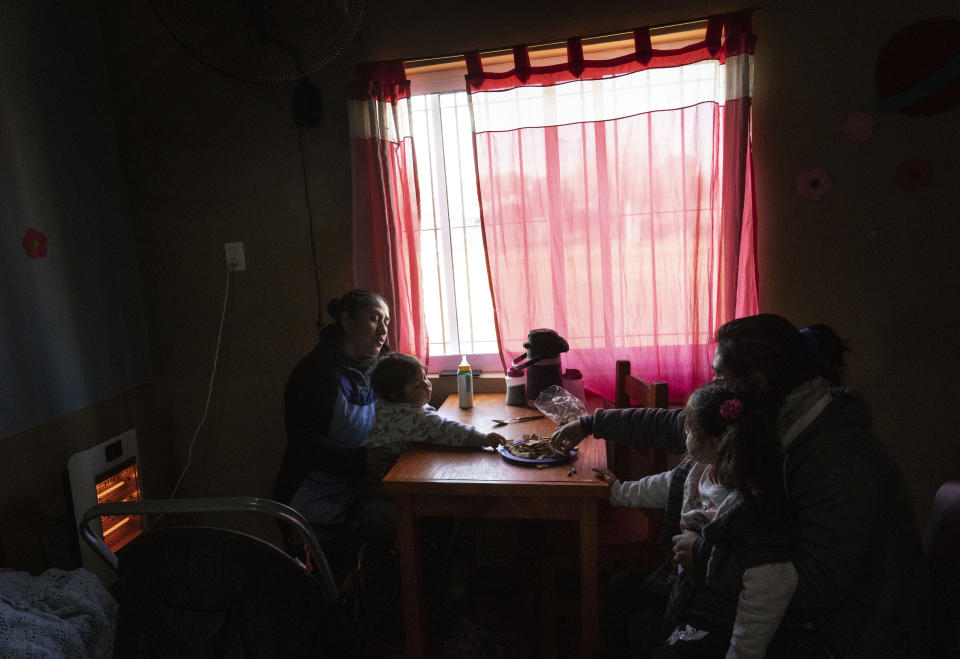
[(403, 415), (727, 489)]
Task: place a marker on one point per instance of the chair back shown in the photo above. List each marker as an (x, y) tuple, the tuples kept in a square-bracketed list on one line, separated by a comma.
[(197, 591), (941, 546), (631, 391), (631, 463), (201, 591)]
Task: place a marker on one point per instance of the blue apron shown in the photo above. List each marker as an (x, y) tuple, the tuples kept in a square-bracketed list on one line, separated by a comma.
[(325, 498)]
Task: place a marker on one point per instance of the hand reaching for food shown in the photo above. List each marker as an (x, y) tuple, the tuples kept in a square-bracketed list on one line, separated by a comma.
[(567, 436), (606, 475)]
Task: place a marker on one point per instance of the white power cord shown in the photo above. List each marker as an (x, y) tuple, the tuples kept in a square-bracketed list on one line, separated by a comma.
[(213, 372)]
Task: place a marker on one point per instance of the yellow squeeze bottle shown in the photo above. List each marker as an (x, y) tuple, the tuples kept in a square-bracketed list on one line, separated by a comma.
[(465, 384)]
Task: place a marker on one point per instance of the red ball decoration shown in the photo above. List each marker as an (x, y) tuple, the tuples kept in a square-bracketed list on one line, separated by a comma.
[(918, 70)]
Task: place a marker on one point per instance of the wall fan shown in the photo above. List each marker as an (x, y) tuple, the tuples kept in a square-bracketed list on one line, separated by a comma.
[(266, 41), (263, 41)]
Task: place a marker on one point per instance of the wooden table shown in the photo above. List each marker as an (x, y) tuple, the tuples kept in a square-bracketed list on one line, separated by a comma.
[(436, 481)]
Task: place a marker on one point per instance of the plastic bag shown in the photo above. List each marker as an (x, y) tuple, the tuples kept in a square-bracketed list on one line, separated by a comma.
[(559, 405)]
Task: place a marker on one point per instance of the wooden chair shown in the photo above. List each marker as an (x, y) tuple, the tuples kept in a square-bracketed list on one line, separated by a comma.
[(632, 534), (624, 535)]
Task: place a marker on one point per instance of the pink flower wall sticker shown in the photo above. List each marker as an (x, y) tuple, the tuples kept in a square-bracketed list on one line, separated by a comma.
[(813, 184), (858, 127), (35, 242), (914, 173)]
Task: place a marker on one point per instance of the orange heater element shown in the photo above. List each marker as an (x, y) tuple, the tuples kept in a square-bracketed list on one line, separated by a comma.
[(120, 484)]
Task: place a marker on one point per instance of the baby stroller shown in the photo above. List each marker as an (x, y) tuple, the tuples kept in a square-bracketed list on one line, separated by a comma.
[(201, 591)]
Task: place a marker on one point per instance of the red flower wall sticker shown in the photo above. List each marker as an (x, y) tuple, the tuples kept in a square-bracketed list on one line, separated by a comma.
[(813, 184), (913, 173), (35, 242)]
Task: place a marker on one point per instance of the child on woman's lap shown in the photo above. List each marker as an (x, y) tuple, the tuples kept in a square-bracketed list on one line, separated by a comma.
[(729, 490), (403, 415)]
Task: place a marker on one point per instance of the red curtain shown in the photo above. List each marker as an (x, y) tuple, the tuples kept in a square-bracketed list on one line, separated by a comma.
[(617, 202), (386, 204)]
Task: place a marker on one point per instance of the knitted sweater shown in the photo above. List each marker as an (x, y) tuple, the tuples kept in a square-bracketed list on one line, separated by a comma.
[(395, 425)]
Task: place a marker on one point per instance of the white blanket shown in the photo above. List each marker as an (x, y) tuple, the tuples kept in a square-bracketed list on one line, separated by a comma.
[(56, 614)]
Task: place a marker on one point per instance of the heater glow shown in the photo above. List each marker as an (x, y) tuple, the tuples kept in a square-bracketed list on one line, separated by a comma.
[(123, 520), (120, 485), (107, 491), (106, 473)]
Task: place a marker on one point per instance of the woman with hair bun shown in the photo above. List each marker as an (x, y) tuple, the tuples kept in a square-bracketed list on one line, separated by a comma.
[(328, 412), (826, 351)]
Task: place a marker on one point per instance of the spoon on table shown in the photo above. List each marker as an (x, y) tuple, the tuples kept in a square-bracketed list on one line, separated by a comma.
[(516, 419)]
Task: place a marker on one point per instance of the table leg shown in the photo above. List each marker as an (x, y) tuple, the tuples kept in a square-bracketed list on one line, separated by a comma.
[(589, 579), (408, 539)]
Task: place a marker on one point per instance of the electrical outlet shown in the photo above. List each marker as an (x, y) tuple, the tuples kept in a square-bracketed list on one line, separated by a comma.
[(235, 257)]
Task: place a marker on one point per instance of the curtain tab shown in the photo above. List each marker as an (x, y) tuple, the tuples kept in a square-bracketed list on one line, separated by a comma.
[(521, 63), (575, 56), (383, 81), (474, 69), (739, 37), (714, 34), (642, 45)]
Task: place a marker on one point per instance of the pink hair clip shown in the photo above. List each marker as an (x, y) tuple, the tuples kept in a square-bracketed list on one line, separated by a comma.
[(730, 409)]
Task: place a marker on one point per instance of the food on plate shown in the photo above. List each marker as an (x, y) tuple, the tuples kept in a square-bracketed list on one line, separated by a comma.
[(533, 447)]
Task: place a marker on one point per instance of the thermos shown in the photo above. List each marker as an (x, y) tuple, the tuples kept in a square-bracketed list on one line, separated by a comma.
[(544, 373), (542, 361), (465, 384)]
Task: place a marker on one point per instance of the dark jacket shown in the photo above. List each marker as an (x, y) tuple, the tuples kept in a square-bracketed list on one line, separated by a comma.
[(856, 540), (856, 544)]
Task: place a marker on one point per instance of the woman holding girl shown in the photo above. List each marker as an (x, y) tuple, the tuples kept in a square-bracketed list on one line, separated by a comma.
[(855, 542), (729, 489)]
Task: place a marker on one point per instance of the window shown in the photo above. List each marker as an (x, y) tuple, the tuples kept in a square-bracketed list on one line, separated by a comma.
[(615, 190), (458, 307)]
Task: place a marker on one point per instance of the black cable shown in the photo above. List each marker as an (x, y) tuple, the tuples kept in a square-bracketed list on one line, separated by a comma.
[(313, 239)]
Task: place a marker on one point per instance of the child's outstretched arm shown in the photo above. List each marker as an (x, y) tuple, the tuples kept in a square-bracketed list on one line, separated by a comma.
[(648, 492), (433, 428)]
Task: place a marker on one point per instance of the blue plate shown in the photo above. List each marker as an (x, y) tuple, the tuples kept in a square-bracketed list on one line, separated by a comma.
[(530, 462)]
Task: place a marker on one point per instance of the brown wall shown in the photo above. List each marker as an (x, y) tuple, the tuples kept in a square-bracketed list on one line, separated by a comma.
[(208, 160), (869, 258)]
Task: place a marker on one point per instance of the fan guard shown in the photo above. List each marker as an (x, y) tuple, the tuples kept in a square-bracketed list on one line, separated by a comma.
[(263, 41)]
